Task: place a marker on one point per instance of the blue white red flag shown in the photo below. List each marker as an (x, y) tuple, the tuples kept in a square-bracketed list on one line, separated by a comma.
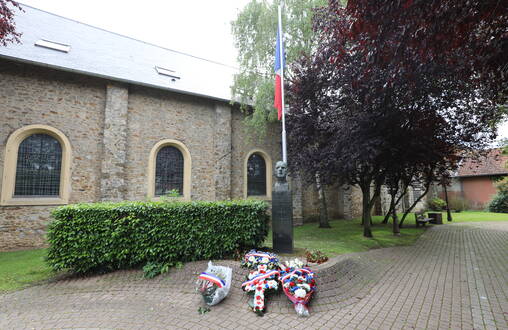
[(279, 63)]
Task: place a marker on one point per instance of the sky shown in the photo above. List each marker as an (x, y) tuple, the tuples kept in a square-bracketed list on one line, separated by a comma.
[(198, 27)]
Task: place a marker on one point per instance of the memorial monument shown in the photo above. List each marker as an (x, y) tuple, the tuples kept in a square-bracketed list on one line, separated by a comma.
[(282, 211)]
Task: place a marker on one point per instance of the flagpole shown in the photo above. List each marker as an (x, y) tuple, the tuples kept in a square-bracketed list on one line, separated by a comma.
[(281, 54)]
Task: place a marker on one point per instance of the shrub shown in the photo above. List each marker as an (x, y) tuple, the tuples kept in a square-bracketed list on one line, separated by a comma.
[(436, 204), (499, 203), (108, 236), (458, 204), (502, 186)]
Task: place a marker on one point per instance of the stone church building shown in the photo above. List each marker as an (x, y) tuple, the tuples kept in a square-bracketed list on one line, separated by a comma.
[(88, 115)]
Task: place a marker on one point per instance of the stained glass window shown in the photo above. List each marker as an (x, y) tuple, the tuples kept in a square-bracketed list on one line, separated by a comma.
[(38, 167), (168, 171), (256, 176)]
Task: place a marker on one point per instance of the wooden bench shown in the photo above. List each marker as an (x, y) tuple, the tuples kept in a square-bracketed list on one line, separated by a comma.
[(420, 219)]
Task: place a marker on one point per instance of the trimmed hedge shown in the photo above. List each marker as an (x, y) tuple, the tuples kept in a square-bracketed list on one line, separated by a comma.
[(109, 236)]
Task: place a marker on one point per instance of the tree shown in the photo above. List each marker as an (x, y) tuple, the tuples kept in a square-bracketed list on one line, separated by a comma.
[(254, 32), (7, 26), (372, 95)]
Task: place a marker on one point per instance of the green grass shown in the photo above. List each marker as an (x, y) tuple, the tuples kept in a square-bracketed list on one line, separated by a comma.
[(475, 216), (346, 236), (19, 269)]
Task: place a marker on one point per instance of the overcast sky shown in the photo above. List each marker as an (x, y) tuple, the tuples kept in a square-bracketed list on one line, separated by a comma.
[(198, 27)]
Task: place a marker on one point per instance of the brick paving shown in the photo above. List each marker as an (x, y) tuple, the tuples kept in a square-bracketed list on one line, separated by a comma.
[(453, 277)]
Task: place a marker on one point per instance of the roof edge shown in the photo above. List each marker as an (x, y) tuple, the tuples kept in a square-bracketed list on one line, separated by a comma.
[(97, 75), (131, 38)]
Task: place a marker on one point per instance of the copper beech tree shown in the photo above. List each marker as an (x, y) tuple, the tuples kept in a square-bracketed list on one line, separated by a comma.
[(397, 91), (7, 26)]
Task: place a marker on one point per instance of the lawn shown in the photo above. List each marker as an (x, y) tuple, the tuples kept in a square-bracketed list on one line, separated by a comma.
[(19, 269), (346, 236), (476, 216)]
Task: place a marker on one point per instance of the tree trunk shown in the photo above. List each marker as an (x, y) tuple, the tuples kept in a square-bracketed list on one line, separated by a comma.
[(394, 204), (366, 208), (387, 216), (395, 227), (414, 204), (323, 209), (448, 213)]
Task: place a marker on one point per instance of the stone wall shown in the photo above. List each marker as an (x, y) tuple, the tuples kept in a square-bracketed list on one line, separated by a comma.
[(71, 103), (311, 203), (112, 128), (352, 202), (113, 185), (245, 140), (155, 115)]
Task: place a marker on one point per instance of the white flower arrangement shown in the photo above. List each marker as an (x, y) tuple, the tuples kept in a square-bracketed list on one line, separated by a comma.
[(300, 293)]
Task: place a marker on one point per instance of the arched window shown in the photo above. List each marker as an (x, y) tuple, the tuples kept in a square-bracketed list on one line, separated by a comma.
[(169, 171), (256, 176), (38, 167), (169, 168)]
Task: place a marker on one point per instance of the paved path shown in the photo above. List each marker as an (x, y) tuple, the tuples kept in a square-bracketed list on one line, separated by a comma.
[(454, 277)]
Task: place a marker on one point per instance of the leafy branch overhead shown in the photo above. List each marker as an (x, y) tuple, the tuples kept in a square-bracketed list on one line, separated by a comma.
[(397, 87), (254, 33), (8, 31)]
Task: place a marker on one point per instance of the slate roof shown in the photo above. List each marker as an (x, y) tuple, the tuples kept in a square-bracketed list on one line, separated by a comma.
[(105, 54), (493, 163)]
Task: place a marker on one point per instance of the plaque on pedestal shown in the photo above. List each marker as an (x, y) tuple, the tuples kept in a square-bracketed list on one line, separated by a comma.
[(282, 211)]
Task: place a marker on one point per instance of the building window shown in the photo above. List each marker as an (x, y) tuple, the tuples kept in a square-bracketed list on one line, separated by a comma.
[(38, 166), (256, 176), (169, 168), (168, 171)]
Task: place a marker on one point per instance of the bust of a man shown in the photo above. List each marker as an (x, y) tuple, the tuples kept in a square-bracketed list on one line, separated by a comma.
[(281, 171)]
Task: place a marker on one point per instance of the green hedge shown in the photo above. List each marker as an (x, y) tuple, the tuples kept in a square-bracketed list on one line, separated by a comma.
[(499, 203), (108, 236)]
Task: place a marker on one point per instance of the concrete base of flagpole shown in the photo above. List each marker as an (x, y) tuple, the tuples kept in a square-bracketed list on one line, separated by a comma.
[(282, 211)]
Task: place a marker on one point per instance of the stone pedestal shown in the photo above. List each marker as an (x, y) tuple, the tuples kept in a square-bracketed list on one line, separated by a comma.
[(282, 212)]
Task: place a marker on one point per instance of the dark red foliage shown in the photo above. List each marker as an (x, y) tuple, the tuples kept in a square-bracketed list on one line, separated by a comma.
[(470, 37), (397, 86), (7, 26)]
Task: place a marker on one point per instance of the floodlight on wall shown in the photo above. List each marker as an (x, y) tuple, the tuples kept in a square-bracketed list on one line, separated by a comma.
[(166, 72), (53, 45)]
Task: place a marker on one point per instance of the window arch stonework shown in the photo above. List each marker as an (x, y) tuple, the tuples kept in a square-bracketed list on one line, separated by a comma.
[(36, 167), (169, 167), (257, 162)]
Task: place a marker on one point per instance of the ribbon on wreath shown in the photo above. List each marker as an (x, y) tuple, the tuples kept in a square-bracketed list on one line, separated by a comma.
[(302, 270), (212, 278), (260, 277), (258, 254)]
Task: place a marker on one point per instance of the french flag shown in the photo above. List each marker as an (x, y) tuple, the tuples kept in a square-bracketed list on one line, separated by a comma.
[(279, 63)]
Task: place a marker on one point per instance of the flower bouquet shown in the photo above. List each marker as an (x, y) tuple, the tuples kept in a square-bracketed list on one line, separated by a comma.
[(255, 258), (298, 284), (214, 283), (262, 280)]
